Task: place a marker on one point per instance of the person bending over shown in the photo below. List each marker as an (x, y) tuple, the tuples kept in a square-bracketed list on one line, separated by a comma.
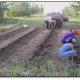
[(68, 49), (70, 35)]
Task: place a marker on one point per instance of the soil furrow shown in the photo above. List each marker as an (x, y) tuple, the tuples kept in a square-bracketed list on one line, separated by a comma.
[(8, 39), (12, 33), (50, 50), (19, 44), (2, 33)]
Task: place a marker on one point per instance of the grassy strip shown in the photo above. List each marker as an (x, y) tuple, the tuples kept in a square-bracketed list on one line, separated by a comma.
[(75, 18), (48, 69), (34, 22), (28, 69), (71, 24)]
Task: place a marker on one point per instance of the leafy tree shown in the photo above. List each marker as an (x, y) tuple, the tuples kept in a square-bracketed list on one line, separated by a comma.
[(66, 10), (17, 9), (76, 6), (9, 13), (2, 9), (41, 9), (35, 9), (72, 9), (22, 9), (25, 9)]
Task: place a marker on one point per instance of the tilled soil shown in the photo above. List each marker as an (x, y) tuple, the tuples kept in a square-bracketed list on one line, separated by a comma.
[(6, 31), (22, 47), (51, 49), (11, 36), (39, 46)]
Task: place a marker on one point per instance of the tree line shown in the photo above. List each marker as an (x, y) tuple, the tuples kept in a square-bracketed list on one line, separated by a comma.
[(17, 9), (73, 9)]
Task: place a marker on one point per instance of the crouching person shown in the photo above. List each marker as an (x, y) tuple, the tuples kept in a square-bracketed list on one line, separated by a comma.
[(47, 21), (70, 35), (68, 49)]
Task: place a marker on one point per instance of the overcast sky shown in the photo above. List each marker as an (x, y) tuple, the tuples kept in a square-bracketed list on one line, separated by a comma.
[(53, 6)]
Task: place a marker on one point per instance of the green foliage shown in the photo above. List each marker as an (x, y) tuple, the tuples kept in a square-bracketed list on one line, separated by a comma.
[(66, 11), (76, 5), (28, 69), (77, 72), (31, 22), (28, 64), (9, 13), (35, 9), (72, 9), (65, 70), (50, 66), (14, 62), (71, 25), (12, 69), (74, 18), (73, 71), (43, 70), (22, 9), (2, 9), (13, 22), (12, 73)]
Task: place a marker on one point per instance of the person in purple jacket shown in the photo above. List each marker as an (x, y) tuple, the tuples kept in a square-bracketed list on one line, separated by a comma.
[(70, 35)]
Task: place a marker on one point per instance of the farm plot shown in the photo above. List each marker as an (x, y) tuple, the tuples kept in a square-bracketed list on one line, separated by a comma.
[(37, 45), (21, 43), (50, 50)]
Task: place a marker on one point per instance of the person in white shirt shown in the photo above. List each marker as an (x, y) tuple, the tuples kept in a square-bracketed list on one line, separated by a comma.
[(49, 22), (46, 21)]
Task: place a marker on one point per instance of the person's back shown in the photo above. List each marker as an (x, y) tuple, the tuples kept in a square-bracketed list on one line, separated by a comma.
[(48, 18), (68, 36)]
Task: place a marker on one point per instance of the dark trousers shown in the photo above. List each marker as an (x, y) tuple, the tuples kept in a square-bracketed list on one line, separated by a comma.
[(46, 24)]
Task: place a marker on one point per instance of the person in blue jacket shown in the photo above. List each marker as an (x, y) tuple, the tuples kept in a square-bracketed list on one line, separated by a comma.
[(70, 35), (68, 49)]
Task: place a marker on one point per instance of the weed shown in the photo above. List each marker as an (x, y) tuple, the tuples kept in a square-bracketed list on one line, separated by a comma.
[(50, 66), (64, 71), (14, 62)]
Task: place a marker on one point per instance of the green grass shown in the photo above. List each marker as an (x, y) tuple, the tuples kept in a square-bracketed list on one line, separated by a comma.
[(75, 18), (71, 24), (75, 24), (47, 69), (28, 69), (70, 71), (11, 69), (33, 22)]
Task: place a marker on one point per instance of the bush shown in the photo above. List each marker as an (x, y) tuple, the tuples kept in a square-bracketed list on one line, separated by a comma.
[(9, 13)]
